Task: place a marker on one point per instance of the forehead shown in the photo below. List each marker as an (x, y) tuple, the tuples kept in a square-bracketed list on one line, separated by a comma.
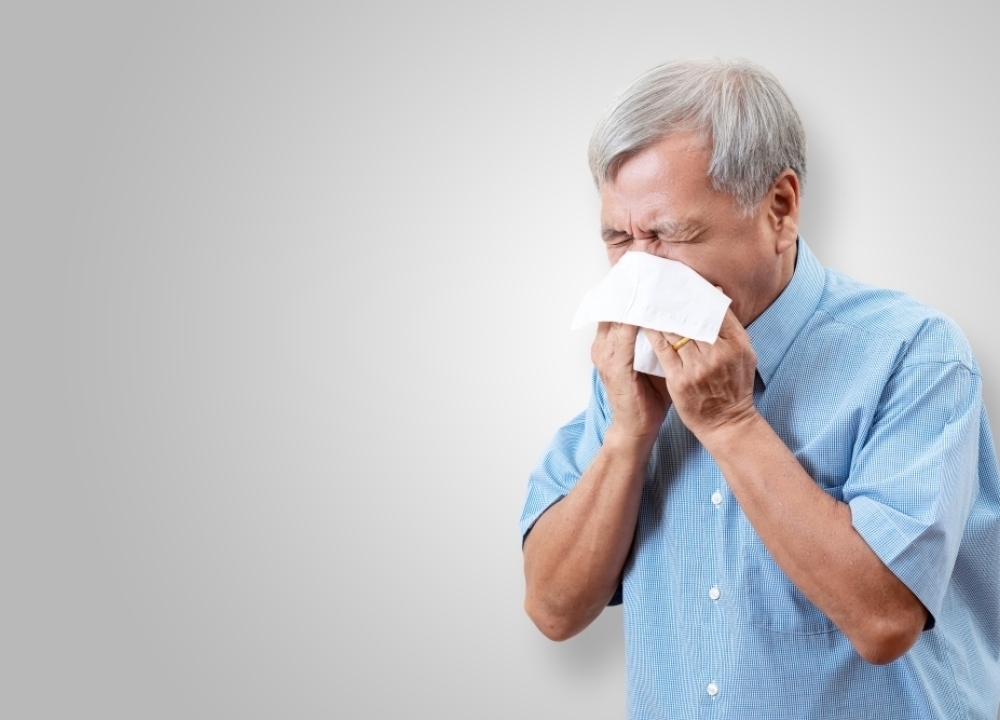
[(668, 179)]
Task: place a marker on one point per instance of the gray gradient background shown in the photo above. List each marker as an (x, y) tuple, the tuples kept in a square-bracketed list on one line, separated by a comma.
[(285, 292)]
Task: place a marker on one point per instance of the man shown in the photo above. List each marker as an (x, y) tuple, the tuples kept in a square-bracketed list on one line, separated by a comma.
[(803, 518)]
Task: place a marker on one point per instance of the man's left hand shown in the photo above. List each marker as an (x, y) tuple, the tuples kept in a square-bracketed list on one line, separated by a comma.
[(711, 384)]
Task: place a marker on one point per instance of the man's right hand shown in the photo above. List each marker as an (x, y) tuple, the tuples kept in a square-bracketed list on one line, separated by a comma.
[(574, 555), (639, 402)]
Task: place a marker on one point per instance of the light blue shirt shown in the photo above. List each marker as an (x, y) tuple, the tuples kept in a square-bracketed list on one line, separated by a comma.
[(879, 397)]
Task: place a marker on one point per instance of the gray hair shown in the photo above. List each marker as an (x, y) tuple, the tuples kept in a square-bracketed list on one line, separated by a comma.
[(754, 129)]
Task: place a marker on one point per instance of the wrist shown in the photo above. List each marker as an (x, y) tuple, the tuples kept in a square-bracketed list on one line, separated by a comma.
[(742, 428), (619, 439)]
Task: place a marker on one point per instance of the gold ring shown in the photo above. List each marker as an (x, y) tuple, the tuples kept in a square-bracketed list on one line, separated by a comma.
[(681, 343)]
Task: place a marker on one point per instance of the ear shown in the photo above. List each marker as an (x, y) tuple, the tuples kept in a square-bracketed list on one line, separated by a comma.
[(783, 209)]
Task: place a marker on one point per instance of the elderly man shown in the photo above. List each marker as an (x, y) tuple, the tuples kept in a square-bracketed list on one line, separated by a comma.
[(803, 518)]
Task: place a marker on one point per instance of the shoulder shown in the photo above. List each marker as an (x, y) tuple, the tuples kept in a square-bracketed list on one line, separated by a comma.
[(890, 318)]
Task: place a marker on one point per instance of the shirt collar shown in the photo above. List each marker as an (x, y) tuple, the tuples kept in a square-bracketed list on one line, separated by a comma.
[(772, 333)]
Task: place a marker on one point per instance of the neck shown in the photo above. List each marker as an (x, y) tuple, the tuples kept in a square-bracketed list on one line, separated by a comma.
[(784, 269)]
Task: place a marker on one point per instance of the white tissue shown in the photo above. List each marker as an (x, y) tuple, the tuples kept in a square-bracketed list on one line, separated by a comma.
[(659, 294)]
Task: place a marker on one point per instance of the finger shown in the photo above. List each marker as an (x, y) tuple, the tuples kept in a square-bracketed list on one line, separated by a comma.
[(620, 344), (663, 347), (626, 342), (728, 319), (601, 348), (670, 337), (731, 326), (626, 334), (661, 341), (677, 341)]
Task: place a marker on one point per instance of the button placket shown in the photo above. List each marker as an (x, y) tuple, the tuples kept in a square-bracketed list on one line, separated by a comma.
[(714, 592)]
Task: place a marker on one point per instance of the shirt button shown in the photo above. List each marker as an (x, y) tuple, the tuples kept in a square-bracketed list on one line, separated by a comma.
[(712, 689), (714, 593), (716, 498)]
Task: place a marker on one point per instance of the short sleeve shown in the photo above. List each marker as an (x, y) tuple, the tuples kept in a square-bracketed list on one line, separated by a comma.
[(913, 482), (567, 456)]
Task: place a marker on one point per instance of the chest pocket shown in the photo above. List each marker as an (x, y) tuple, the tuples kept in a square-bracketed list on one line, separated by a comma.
[(822, 438), (767, 598)]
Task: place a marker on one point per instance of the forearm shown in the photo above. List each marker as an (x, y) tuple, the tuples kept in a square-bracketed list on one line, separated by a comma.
[(574, 554), (810, 536)]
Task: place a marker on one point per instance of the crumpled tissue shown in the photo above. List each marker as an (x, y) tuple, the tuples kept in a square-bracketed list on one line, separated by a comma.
[(659, 294)]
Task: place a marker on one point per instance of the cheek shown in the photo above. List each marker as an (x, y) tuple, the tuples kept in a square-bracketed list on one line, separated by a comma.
[(697, 262), (719, 270)]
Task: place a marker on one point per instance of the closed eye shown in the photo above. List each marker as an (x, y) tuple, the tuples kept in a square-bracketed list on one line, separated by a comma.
[(615, 238), (677, 232)]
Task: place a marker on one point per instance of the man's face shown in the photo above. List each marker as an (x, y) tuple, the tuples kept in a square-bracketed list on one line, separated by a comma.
[(662, 202)]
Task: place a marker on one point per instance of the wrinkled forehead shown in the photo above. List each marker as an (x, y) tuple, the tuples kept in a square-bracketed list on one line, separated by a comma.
[(664, 183)]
